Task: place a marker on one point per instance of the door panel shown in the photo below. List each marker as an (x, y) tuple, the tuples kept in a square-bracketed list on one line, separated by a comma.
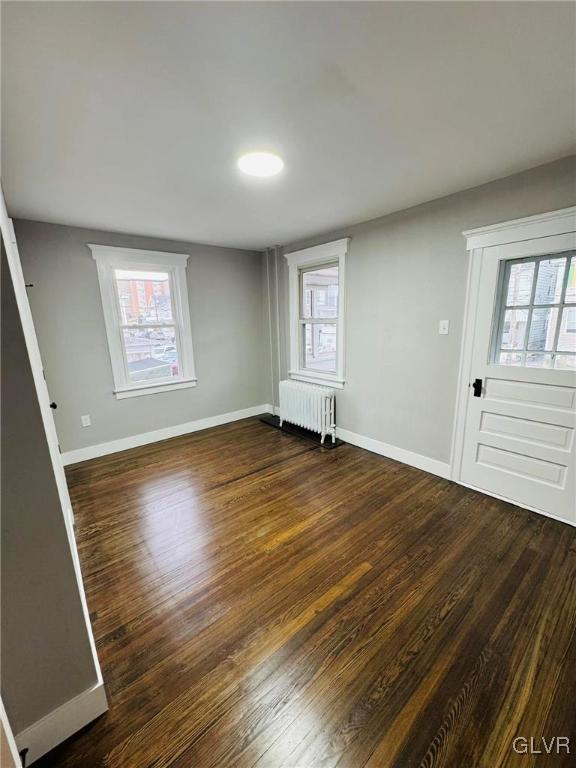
[(519, 434), (535, 432), (529, 393), (521, 464)]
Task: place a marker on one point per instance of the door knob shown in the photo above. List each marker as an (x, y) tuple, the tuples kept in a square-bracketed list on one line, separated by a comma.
[(53, 405), (477, 387)]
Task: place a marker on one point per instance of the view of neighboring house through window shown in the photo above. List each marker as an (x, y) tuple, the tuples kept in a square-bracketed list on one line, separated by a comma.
[(319, 317), (537, 322), (148, 329)]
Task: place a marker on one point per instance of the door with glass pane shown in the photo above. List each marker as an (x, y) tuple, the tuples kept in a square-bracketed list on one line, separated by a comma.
[(521, 411)]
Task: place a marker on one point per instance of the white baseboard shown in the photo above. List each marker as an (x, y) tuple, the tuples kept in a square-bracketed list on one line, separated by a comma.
[(369, 443), (55, 727), (435, 467), (135, 441)]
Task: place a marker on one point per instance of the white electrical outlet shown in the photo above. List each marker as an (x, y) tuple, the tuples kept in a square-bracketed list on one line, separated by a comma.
[(86, 420), (443, 327)]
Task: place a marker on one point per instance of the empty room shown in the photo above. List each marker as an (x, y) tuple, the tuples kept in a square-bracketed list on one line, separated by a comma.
[(288, 402)]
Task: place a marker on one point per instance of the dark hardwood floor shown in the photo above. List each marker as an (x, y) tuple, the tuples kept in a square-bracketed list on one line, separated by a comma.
[(260, 601)]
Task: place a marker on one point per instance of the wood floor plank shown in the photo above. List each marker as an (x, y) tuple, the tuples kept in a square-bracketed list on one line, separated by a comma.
[(260, 601)]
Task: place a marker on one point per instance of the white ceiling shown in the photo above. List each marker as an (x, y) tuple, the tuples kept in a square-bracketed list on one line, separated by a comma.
[(130, 116)]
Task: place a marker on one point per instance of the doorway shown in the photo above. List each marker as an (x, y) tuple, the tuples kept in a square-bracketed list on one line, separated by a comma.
[(516, 416)]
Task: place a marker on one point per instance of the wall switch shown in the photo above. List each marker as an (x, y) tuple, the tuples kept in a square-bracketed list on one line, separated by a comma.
[(443, 327), (86, 420)]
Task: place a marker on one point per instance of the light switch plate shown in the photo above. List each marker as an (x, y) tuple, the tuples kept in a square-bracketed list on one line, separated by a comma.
[(86, 420), (443, 327)]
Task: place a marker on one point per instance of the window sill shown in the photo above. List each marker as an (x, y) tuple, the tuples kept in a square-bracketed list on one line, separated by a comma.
[(152, 389), (317, 378)]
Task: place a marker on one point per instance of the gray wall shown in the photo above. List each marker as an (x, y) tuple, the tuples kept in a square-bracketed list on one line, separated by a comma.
[(46, 658), (229, 331), (405, 272)]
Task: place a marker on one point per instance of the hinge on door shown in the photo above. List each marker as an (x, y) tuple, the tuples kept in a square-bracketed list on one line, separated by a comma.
[(59, 449)]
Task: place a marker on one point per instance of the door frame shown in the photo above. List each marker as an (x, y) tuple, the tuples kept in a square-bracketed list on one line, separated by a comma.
[(560, 222)]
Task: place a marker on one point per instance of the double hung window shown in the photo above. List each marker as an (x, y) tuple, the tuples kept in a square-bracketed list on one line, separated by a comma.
[(146, 313), (316, 278)]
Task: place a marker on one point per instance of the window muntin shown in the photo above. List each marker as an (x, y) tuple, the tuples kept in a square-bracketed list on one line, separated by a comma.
[(537, 324), (147, 318), (319, 290)]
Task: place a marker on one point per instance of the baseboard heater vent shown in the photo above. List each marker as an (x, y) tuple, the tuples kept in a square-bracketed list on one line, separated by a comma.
[(309, 406)]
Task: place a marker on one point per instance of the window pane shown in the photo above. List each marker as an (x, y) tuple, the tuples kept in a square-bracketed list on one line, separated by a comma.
[(514, 329), (510, 358), (543, 328), (144, 297), (571, 286), (538, 360), (320, 346), (567, 335), (151, 353), (320, 293), (549, 282), (565, 362), (520, 284)]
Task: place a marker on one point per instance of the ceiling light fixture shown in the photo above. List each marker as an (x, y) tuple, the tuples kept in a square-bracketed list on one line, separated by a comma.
[(260, 164)]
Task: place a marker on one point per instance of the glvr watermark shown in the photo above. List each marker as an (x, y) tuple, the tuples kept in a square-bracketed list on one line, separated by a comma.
[(555, 745)]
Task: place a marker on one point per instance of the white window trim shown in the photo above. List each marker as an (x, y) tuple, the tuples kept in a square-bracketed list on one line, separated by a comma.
[(318, 255), (108, 258)]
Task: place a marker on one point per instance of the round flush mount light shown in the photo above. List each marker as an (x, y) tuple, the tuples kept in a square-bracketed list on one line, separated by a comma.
[(260, 164)]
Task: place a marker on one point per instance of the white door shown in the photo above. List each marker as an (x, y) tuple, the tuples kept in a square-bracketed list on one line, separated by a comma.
[(520, 411)]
